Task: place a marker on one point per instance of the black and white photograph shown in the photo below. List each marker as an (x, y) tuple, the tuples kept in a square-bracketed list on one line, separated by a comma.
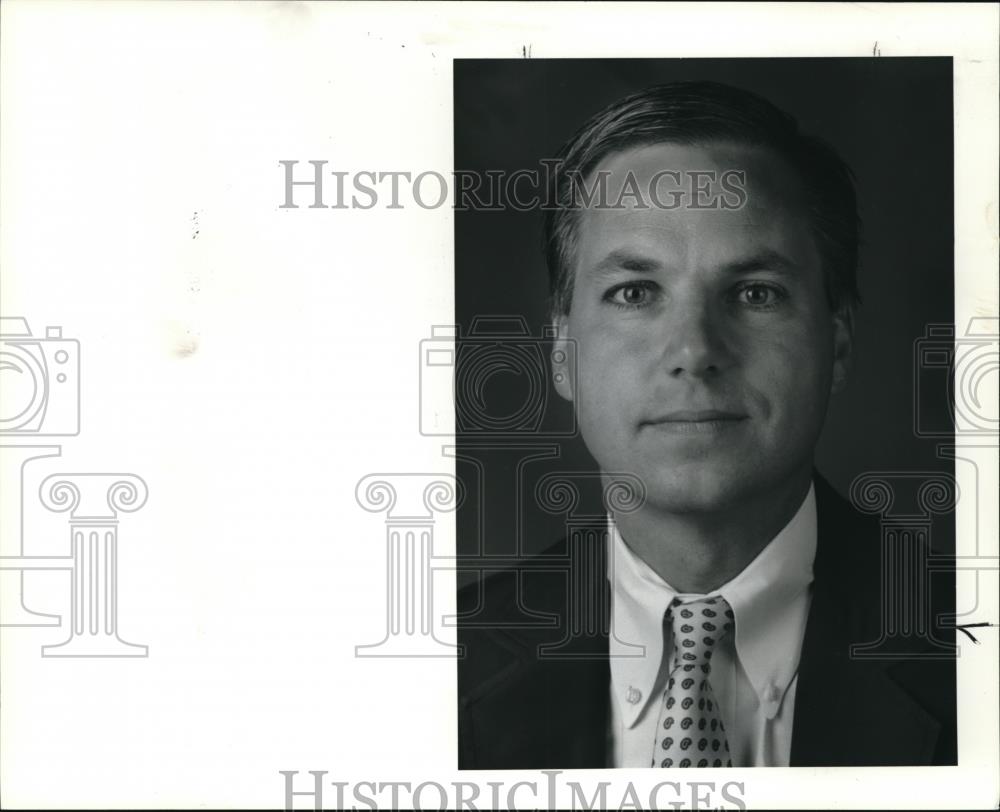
[(719, 274)]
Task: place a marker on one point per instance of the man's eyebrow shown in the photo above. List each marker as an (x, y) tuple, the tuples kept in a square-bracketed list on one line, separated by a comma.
[(625, 260), (766, 260)]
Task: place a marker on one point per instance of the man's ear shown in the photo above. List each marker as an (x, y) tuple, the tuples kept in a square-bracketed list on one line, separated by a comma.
[(563, 358), (843, 347)]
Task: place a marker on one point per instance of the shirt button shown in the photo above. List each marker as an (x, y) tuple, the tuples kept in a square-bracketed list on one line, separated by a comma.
[(633, 695)]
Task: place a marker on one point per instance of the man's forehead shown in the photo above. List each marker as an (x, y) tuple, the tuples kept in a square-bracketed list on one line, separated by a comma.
[(653, 227), (771, 215), (670, 165)]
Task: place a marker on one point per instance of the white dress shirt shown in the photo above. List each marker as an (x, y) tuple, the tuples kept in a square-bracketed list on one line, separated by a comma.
[(754, 669)]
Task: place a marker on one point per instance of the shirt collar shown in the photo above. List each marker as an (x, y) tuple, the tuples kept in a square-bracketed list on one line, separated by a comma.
[(765, 599)]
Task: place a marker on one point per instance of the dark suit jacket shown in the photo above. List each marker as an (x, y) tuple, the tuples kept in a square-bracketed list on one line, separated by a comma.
[(519, 710)]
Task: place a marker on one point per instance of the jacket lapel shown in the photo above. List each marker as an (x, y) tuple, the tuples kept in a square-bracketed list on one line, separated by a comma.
[(851, 711)]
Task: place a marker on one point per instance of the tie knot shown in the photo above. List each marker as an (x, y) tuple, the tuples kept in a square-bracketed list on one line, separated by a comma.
[(697, 627)]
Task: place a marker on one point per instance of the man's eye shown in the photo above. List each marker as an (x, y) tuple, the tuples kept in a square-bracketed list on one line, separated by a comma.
[(757, 294), (630, 295)]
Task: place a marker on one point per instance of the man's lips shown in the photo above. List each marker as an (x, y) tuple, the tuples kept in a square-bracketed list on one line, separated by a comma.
[(690, 416), (695, 422)]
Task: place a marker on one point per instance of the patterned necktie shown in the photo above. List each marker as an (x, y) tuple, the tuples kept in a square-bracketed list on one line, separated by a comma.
[(690, 732)]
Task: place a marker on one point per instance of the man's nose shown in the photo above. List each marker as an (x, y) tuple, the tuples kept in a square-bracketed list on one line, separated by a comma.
[(695, 342)]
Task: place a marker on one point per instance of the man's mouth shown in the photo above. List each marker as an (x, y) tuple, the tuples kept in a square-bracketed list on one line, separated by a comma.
[(684, 421)]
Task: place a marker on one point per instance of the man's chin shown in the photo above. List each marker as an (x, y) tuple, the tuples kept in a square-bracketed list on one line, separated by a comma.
[(682, 491), (718, 487)]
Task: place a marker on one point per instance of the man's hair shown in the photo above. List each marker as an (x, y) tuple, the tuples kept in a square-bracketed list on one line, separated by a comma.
[(697, 113)]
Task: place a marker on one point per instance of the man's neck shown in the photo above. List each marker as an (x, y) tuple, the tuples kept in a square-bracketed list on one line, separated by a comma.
[(698, 552)]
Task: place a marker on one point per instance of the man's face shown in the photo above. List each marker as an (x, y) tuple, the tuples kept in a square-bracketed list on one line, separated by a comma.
[(706, 349)]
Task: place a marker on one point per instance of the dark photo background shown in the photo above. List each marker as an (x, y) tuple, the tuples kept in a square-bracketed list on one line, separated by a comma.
[(889, 118)]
